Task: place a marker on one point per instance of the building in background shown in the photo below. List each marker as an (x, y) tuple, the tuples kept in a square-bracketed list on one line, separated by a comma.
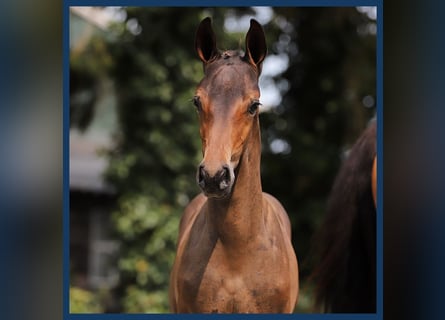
[(93, 263)]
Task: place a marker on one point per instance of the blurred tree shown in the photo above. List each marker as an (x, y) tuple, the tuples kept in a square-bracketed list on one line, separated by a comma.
[(87, 68), (153, 163), (83, 301), (332, 57)]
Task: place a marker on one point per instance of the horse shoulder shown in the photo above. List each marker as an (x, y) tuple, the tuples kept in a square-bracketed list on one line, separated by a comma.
[(190, 213), (289, 282), (277, 209), (187, 219)]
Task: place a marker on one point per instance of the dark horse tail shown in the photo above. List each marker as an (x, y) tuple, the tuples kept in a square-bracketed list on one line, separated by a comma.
[(345, 244)]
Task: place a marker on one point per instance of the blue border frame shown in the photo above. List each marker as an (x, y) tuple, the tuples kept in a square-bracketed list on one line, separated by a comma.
[(379, 92), (227, 3)]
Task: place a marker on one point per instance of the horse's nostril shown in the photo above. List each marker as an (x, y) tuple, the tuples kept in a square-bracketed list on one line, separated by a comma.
[(226, 173), (201, 176), (224, 178), (223, 174)]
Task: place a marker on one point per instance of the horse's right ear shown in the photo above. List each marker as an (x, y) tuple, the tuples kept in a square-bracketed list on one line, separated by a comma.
[(205, 41)]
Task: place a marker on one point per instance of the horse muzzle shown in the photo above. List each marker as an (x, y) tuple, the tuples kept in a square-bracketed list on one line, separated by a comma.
[(217, 183)]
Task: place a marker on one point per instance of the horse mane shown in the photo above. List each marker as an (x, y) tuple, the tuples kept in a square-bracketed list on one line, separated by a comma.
[(344, 246)]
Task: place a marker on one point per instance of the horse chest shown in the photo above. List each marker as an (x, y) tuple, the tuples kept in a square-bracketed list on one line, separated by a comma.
[(218, 288)]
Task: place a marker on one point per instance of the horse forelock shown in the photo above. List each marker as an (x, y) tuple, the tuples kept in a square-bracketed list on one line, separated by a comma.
[(229, 77), (233, 58)]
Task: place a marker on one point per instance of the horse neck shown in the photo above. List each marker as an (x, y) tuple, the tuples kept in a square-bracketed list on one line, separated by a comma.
[(239, 218)]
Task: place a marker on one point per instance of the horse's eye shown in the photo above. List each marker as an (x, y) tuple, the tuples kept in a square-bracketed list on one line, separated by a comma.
[(197, 103), (253, 108)]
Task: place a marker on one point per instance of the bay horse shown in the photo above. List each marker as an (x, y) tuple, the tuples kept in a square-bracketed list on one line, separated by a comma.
[(234, 251), (345, 244)]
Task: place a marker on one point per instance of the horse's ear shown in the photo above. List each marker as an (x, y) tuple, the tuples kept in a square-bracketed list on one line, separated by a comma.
[(205, 41), (256, 48)]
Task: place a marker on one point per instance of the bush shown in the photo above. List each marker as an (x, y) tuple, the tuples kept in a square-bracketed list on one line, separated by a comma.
[(84, 301)]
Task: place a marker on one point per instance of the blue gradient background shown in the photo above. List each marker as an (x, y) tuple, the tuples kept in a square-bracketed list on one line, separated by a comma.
[(30, 160), (414, 159), (31, 198)]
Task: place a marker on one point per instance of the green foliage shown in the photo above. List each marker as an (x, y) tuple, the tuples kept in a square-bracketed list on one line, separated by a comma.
[(88, 66), (153, 163), (143, 301), (84, 301), (331, 69)]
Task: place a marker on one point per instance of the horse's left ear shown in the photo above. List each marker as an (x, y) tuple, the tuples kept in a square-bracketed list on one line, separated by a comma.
[(256, 48)]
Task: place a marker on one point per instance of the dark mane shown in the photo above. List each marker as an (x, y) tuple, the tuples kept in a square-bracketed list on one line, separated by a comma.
[(345, 246)]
